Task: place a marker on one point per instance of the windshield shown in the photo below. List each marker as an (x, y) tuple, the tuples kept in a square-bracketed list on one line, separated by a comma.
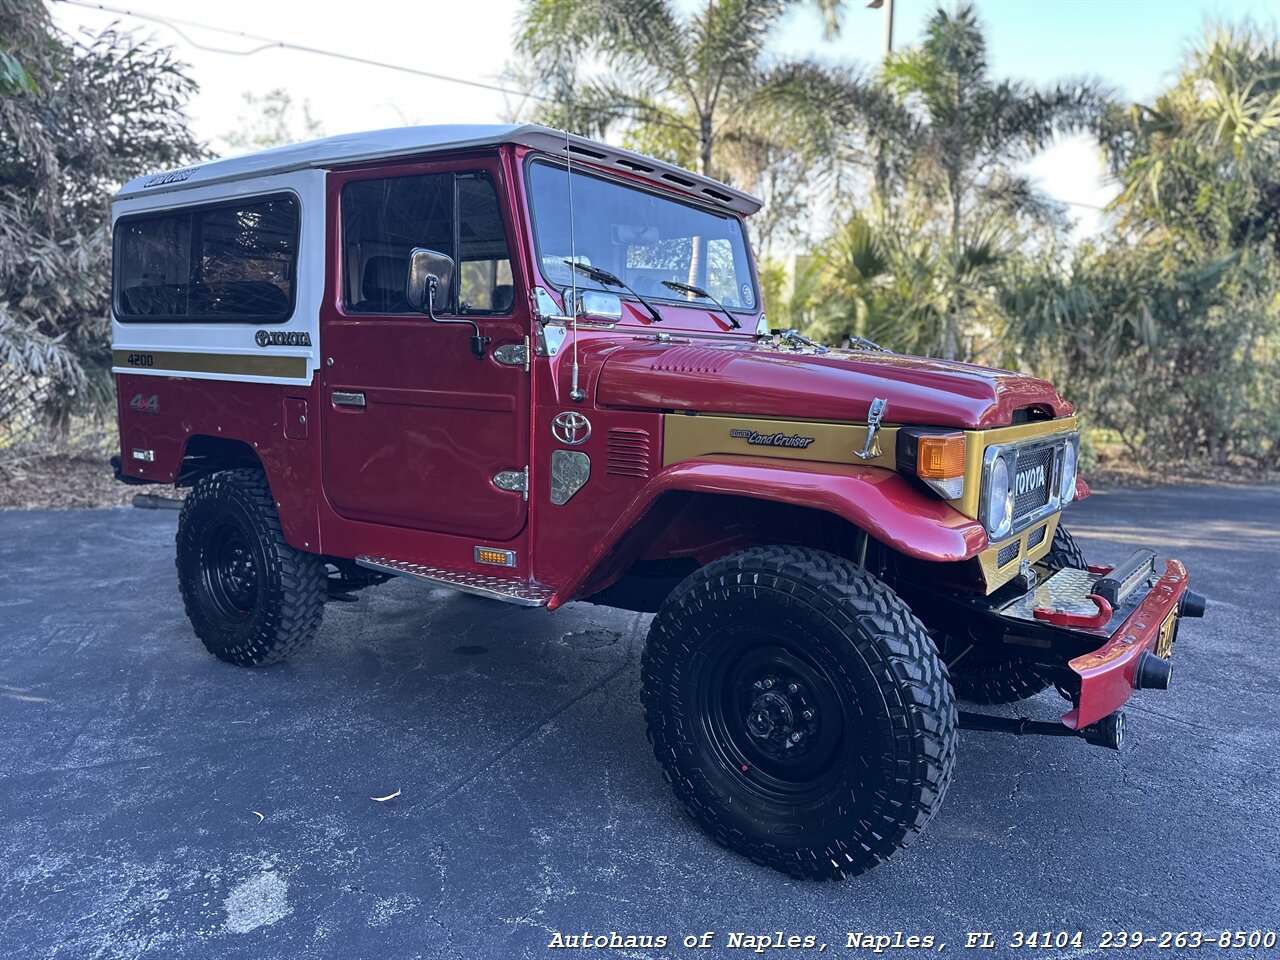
[(640, 236)]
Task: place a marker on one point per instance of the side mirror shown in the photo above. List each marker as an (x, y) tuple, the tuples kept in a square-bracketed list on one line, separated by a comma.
[(430, 273)]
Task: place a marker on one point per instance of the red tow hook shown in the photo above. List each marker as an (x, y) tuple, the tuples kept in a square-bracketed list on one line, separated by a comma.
[(1063, 618)]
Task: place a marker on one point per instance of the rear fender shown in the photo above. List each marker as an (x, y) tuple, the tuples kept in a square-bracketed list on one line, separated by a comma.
[(882, 503)]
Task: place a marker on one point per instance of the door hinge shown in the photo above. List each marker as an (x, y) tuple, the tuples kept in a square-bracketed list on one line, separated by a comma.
[(514, 354), (516, 481)]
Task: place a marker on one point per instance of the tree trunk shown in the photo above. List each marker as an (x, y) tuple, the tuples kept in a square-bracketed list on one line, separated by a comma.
[(951, 342), (698, 255)]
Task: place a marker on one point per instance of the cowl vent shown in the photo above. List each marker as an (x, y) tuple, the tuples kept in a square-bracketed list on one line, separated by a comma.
[(693, 360), (629, 453)]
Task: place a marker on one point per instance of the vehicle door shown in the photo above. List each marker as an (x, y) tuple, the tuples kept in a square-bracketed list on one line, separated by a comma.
[(416, 426)]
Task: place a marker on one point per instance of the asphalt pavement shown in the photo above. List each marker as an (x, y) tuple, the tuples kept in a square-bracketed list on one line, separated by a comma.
[(155, 802)]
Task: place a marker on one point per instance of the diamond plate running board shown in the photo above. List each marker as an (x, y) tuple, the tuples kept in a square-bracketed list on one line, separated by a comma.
[(519, 592)]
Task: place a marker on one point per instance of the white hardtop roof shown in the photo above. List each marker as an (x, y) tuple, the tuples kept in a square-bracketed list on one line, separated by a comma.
[(416, 141)]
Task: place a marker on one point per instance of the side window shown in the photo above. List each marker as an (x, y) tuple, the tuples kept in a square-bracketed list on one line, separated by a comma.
[(230, 262), (484, 264), (382, 221), (456, 214)]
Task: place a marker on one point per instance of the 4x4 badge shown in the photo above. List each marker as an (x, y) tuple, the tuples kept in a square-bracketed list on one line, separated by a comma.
[(571, 427)]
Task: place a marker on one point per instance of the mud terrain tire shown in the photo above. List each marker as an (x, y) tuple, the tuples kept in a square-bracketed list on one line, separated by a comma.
[(771, 642), (983, 677), (252, 598)]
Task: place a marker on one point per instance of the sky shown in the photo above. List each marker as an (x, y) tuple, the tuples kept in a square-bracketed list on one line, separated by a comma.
[(1133, 45)]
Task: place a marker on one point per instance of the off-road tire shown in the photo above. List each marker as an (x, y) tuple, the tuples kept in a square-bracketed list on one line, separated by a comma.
[(231, 512), (983, 677), (885, 759), (1065, 551)]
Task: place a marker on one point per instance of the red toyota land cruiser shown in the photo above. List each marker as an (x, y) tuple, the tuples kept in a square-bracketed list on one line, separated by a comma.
[(535, 368)]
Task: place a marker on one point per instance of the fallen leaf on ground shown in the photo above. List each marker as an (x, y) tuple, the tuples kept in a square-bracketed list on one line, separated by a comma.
[(390, 796)]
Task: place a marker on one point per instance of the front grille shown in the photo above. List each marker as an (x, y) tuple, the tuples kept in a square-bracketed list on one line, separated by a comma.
[(1007, 554), (1036, 537), (1035, 470)]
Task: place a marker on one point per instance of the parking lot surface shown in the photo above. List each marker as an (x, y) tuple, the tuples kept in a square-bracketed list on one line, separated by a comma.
[(157, 802)]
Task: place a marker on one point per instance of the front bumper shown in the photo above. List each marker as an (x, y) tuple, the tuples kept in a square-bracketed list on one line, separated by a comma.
[(1143, 624), (1108, 675)]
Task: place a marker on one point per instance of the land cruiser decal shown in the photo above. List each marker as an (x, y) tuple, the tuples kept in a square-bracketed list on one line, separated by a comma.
[(772, 439), (282, 338), (177, 176)]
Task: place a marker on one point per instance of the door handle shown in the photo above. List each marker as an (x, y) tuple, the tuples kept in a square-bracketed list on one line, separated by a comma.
[(348, 398)]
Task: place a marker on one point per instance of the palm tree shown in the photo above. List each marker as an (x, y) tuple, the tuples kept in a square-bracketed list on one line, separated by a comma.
[(1202, 160), (696, 89), (961, 136)]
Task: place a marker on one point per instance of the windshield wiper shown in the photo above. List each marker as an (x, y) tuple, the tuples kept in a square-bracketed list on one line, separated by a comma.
[(699, 292), (798, 339), (609, 280), (866, 344)]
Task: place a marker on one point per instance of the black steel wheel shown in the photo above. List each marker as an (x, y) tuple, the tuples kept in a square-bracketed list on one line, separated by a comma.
[(251, 597), (799, 710), (981, 676)]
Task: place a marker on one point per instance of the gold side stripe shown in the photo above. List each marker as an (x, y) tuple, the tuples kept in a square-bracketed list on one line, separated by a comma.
[(686, 437), (225, 363)]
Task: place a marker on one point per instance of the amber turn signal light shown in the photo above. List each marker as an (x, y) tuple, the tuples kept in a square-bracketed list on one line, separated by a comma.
[(940, 463)]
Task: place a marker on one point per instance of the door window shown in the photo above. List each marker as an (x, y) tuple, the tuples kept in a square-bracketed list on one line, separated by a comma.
[(455, 214)]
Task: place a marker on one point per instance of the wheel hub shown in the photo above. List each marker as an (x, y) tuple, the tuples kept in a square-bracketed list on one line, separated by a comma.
[(229, 571), (782, 718)]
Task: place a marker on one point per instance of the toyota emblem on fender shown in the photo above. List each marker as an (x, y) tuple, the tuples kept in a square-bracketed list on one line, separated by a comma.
[(571, 427)]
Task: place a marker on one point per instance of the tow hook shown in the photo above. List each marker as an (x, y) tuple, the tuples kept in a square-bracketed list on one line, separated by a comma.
[(1152, 673)]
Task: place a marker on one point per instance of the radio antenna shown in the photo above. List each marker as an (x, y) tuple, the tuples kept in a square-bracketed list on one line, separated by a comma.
[(576, 393)]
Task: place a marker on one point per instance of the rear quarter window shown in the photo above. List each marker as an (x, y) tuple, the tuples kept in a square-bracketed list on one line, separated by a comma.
[(228, 262)]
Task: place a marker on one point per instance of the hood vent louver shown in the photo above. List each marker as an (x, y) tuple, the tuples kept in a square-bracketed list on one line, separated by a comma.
[(629, 453), (693, 360)]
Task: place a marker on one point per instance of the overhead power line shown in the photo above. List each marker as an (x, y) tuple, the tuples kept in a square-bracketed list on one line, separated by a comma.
[(272, 43)]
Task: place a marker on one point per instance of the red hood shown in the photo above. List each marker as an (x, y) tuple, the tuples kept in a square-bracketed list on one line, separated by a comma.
[(840, 385)]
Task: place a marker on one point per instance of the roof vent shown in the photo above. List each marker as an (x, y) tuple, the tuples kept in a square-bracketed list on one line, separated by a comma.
[(632, 165)]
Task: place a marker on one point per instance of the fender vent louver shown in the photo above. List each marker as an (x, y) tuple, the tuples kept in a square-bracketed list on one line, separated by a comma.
[(693, 360), (629, 453)]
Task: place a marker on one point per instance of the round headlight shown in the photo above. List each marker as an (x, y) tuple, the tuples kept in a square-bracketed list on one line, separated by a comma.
[(1070, 455), (999, 499)]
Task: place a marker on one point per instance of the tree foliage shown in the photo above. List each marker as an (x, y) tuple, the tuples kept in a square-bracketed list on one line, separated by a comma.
[(272, 119), (1173, 328), (948, 209), (698, 89), (78, 116)]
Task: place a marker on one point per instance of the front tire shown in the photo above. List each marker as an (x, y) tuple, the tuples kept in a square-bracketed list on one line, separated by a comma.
[(251, 597), (799, 710), (980, 676)]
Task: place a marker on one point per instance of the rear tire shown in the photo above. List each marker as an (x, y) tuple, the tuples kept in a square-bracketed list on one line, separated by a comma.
[(980, 676), (799, 711), (251, 597)]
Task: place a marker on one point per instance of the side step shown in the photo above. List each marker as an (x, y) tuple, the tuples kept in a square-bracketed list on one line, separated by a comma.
[(519, 592)]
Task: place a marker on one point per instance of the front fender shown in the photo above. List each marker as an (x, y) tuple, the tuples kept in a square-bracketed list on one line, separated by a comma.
[(882, 503)]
